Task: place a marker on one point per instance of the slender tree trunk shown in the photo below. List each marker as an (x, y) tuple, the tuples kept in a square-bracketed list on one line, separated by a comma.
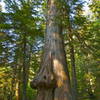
[(25, 68), (73, 66), (53, 81), (74, 78), (18, 83), (24, 85), (24, 78), (72, 57)]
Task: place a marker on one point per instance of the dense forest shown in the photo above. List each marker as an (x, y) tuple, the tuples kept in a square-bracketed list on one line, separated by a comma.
[(49, 50)]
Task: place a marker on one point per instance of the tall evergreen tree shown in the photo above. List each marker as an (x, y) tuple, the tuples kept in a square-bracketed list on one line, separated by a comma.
[(53, 81)]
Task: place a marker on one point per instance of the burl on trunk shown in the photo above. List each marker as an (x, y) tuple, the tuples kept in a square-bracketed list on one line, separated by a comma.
[(52, 81)]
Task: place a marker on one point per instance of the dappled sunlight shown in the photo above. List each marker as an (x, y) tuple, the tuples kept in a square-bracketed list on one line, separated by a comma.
[(56, 36), (59, 71), (67, 67)]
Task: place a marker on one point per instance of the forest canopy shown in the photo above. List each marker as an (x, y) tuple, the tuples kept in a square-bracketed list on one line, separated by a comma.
[(49, 50)]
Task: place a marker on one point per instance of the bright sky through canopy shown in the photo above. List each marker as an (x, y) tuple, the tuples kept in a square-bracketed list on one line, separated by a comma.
[(86, 8)]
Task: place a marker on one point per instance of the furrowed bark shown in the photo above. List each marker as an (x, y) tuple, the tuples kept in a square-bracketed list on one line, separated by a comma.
[(53, 81)]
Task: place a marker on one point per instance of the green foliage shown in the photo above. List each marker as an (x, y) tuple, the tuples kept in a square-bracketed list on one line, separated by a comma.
[(24, 22)]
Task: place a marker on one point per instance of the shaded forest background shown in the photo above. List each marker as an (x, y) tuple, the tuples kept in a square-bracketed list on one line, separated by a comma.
[(22, 29)]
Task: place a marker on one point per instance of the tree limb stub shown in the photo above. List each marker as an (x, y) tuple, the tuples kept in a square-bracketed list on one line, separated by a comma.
[(45, 78)]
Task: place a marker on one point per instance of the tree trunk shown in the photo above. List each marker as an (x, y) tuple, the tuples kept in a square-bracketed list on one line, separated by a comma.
[(53, 81), (74, 78), (73, 66), (24, 85), (25, 67), (26, 61), (72, 57), (18, 83)]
